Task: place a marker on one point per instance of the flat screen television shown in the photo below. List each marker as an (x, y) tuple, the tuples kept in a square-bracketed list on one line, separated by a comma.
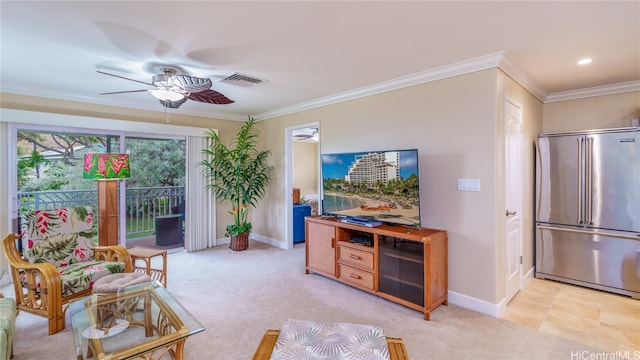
[(372, 186)]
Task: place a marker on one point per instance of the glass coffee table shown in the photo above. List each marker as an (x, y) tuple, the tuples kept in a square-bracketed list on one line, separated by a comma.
[(138, 320)]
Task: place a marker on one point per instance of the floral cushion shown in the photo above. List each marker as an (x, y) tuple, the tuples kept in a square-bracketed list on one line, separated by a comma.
[(65, 237), (61, 236), (80, 276)]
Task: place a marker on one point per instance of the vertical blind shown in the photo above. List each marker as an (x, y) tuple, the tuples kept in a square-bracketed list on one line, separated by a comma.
[(200, 223)]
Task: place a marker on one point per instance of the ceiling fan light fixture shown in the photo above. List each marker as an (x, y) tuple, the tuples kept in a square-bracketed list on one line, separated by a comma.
[(162, 80), (166, 94), (173, 90)]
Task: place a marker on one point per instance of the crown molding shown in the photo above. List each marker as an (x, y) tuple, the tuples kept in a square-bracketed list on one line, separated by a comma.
[(502, 60), (459, 68), (510, 67), (594, 91)]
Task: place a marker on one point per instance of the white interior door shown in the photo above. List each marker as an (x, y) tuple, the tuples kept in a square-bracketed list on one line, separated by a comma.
[(513, 197)]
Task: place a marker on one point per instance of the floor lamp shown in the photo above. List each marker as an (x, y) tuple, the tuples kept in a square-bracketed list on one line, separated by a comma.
[(107, 169)]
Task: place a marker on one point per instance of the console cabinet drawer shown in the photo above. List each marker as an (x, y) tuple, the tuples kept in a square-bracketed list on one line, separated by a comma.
[(356, 276), (354, 257)]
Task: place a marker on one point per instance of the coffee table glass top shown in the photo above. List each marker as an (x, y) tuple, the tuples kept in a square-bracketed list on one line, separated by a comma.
[(141, 319)]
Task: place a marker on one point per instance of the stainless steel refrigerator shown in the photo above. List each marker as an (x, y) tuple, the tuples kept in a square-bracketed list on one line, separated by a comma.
[(588, 209)]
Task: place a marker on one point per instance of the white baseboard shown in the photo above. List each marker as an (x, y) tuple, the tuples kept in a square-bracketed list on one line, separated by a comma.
[(499, 308), (485, 307), (474, 304), (268, 241), (257, 237), (223, 241), (528, 277)]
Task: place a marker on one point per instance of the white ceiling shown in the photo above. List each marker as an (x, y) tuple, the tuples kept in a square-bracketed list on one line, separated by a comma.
[(310, 53)]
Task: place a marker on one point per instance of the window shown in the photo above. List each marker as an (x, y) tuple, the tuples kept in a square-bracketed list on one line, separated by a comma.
[(49, 175), (199, 222)]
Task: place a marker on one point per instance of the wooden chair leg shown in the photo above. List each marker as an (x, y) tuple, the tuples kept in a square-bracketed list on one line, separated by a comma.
[(56, 324)]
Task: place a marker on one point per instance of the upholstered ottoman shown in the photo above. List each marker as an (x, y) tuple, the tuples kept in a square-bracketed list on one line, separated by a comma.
[(117, 282), (7, 324)]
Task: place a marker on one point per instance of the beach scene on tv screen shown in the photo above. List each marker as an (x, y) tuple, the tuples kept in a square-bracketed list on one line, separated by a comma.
[(372, 185)]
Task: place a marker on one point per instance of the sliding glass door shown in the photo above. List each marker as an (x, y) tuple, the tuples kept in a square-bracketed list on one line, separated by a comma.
[(49, 174), (156, 196)]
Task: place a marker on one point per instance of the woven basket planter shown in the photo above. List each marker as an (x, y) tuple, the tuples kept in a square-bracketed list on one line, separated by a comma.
[(239, 242)]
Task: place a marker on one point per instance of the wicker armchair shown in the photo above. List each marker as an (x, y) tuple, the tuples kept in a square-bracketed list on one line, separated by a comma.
[(60, 261)]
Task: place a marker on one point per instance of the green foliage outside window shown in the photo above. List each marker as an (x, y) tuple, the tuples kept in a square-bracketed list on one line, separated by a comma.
[(154, 162)]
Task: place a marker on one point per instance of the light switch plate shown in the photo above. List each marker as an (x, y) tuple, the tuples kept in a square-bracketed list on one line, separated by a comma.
[(469, 184)]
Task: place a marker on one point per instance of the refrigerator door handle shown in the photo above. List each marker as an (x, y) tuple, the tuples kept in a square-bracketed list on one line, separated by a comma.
[(589, 181), (580, 220), (592, 232)]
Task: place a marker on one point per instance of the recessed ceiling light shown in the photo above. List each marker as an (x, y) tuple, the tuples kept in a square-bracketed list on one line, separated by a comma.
[(584, 61)]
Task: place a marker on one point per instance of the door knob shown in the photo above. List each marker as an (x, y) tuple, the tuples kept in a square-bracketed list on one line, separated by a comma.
[(511, 213)]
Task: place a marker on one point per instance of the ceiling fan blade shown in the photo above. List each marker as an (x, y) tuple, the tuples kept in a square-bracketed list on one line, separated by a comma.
[(192, 84), (211, 97), (122, 92), (172, 104), (122, 77)]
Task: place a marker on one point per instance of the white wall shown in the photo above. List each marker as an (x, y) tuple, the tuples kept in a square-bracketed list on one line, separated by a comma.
[(452, 123)]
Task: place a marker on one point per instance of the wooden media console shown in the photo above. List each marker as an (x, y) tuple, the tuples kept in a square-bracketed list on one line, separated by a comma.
[(403, 264)]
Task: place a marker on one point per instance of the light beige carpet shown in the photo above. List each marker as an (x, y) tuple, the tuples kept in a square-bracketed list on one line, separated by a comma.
[(238, 295)]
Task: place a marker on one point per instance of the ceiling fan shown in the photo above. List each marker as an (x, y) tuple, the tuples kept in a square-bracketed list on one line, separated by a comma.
[(305, 134), (173, 90)]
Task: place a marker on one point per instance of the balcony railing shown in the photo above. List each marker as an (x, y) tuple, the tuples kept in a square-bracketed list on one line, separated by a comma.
[(142, 204)]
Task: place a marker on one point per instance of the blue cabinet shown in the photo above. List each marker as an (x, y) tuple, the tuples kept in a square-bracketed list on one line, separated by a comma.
[(300, 211)]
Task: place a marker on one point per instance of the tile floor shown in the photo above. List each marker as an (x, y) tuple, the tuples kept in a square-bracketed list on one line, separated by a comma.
[(605, 321)]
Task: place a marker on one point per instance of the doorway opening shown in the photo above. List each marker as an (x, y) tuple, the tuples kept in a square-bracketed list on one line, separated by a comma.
[(302, 151)]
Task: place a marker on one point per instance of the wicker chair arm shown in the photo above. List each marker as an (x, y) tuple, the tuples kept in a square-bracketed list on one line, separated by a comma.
[(43, 285), (114, 253), (16, 261)]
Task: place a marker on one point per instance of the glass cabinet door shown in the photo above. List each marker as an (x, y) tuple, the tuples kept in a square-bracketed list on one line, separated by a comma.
[(401, 268)]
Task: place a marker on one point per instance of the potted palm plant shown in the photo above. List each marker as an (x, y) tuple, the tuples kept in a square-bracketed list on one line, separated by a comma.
[(239, 173)]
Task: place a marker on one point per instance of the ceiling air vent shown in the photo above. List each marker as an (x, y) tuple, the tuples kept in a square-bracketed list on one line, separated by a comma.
[(242, 80)]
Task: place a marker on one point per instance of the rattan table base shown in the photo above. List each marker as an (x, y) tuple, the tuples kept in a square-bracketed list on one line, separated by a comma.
[(145, 255)]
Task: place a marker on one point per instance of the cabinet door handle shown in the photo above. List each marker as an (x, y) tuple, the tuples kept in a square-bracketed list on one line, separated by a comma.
[(356, 257), (333, 243), (357, 277)]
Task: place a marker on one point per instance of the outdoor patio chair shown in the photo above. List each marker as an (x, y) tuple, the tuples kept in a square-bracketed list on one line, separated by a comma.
[(60, 261)]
